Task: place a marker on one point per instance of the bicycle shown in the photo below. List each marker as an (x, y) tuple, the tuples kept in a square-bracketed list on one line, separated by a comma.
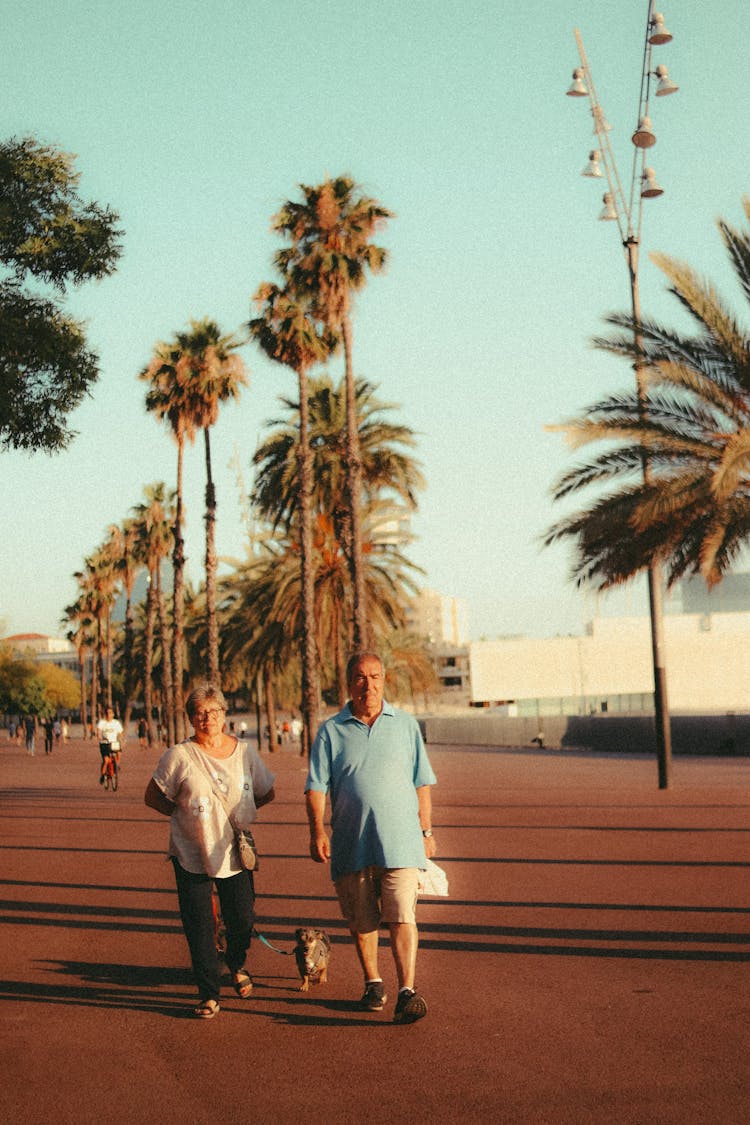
[(111, 772)]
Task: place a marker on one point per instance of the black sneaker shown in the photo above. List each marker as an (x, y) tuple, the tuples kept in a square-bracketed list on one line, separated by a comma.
[(101, 779), (410, 1007), (374, 997)]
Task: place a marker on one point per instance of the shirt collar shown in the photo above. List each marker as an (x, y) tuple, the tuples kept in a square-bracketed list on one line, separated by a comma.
[(348, 715)]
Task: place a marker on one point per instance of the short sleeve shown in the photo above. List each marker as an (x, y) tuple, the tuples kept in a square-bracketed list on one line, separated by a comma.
[(262, 776), (171, 771), (319, 768)]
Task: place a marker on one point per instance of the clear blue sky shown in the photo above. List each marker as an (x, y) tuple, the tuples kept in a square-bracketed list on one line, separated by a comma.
[(196, 120)]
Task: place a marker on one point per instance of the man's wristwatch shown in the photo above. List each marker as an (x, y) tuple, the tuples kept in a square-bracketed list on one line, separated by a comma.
[(427, 833)]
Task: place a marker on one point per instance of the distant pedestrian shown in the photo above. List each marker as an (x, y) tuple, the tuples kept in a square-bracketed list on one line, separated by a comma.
[(49, 734), (57, 728), (142, 733), (64, 731), (29, 726)]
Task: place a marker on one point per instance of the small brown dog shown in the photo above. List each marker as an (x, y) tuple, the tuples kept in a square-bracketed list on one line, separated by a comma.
[(312, 953)]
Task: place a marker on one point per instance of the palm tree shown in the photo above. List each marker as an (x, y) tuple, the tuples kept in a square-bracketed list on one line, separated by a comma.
[(121, 549), (261, 601), (388, 470), (154, 520), (287, 333), (328, 259), (387, 466), (97, 585), (81, 634), (190, 377), (691, 511)]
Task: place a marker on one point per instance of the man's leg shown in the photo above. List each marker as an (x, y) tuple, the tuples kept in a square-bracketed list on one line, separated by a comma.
[(399, 888), (358, 899), (404, 943), (367, 952)]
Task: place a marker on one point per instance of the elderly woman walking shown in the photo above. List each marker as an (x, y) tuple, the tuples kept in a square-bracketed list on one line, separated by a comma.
[(199, 784)]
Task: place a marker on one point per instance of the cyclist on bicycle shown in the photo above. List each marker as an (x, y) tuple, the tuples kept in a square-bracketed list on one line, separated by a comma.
[(109, 730)]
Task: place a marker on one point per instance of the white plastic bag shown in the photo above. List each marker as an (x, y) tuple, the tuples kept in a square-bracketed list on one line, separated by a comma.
[(433, 881)]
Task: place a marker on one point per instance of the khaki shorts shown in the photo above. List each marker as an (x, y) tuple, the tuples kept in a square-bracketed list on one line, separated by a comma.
[(378, 894)]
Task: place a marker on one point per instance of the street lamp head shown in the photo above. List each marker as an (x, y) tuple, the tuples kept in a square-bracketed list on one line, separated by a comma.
[(649, 185), (609, 211), (659, 33), (643, 137), (593, 168), (577, 88), (665, 84)]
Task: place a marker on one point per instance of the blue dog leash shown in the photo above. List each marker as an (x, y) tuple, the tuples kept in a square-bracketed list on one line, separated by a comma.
[(283, 952)]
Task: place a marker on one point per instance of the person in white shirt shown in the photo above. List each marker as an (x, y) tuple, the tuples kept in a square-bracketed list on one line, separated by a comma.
[(108, 731)]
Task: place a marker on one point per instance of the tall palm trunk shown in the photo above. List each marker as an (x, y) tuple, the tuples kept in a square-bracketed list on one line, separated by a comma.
[(82, 655), (94, 708), (354, 495), (259, 710), (178, 601), (148, 662), (212, 626), (310, 681), (108, 653), (167, 685), (270, 709), (128, 667), (101, 667)]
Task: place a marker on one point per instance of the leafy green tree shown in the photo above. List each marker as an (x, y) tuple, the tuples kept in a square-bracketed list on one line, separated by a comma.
[(48, 234), (61, 688), (327, 261), (691, 510), (22, 689)]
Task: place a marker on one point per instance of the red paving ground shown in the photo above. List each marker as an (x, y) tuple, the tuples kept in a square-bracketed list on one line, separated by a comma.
[(590, 965)]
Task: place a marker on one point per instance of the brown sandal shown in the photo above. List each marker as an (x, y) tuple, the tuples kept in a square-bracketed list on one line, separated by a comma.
[(207, 1009), (243, 983)]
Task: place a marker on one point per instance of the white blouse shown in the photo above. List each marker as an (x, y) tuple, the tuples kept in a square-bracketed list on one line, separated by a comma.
[(200, 836)]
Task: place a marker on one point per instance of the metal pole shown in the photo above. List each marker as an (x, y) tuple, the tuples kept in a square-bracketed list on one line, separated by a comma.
[(661, 709)]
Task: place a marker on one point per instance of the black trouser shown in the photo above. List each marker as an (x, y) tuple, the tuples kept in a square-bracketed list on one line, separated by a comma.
[(237, 900)]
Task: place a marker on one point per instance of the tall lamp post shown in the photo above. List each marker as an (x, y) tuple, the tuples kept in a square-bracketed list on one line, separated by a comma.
[(626, 211)]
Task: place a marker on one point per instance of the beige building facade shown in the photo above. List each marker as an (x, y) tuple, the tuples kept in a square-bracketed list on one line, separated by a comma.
[(609, 670)]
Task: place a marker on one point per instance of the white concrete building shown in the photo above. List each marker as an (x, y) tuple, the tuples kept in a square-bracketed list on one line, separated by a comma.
[(707, 658)]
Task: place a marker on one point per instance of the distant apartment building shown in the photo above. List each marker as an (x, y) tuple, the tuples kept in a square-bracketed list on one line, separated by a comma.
[(440, 619), (443, 623), (43, 649)]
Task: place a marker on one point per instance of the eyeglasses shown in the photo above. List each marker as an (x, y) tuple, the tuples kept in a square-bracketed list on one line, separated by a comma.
[(201, 716)]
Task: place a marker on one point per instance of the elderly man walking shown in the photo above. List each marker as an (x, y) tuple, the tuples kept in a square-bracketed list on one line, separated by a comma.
[(371, 760)]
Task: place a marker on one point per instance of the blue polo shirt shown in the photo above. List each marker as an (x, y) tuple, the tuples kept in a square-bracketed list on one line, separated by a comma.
[(372, 774)]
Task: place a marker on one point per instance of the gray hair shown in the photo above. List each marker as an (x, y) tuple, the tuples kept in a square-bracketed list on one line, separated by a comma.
[(204, 693), (355, 658)]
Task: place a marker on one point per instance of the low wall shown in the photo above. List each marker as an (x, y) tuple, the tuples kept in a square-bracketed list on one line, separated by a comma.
[(691, 734)]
